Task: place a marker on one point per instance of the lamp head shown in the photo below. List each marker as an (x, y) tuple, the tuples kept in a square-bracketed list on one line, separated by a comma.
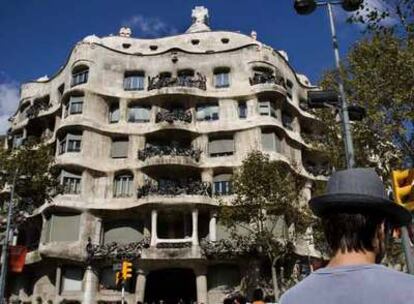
[(305, 7), (351, 5)]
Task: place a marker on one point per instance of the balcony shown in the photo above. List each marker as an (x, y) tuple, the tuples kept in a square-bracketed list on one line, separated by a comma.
[(317, 169), (174, 188), (174, 115), (166, 81), (40, 105), (163, 150), (313, 139), (263, 78)]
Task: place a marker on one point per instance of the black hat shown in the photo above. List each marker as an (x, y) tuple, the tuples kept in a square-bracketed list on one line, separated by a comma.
[(358, 190)]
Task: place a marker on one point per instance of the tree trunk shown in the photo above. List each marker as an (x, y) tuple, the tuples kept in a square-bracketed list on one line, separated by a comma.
[(276, 289)]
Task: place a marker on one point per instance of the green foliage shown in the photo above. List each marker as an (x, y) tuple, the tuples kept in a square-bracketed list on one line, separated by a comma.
[(378, 75), (267, 193), (36, 181)]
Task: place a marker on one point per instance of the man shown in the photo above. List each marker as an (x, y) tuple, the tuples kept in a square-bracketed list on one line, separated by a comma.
[(258, 296), (355, 213)]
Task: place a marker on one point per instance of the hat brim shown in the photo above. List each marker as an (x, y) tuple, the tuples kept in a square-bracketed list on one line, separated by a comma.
[(329, 203)]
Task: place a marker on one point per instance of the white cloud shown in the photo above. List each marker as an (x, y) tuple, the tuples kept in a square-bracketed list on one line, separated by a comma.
[(149, 27), (9, 100)]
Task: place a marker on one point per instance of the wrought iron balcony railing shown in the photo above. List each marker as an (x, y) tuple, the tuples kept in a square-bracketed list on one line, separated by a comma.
[(34, 110), (158, 82), (158, 150), (313, 139), (175, 188), (317, 169), (259, 78), (174, 115)]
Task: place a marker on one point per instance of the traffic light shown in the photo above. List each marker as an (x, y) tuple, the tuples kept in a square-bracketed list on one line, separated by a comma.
[(118, 278), (126, 270), (403, 185)]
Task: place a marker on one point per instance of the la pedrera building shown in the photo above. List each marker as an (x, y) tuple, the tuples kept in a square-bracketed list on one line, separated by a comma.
[(147, 134)]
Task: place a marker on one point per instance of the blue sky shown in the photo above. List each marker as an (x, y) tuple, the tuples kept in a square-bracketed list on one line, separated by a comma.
[(37, 35)]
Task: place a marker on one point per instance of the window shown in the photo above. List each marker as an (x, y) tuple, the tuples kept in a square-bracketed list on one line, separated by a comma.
[(119, 148), (222, 184), (139, 114), (72, 279), (80, 75), (70, 143), (114, 113), (221, 147), (287, 121), (74, 106), (185, 76), (289, 88), (242, 110), (123, 185), (17, 140), (71, 182), (134, 81), (222, 78), (207, 112), (267, 108), (122, 232), (63, 228), (271, 141)]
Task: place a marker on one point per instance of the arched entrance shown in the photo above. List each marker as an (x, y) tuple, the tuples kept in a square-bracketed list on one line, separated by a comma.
[(171, 285)]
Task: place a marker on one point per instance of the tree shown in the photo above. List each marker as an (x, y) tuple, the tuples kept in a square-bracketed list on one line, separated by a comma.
[(378, 74), (36, 178), (266, 203), (387, 16)]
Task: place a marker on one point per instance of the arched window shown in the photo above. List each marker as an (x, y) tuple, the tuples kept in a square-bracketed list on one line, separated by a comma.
[(222, 77), (71, 142), (74, 105), (79, 75), (123, 184), (134, 81)]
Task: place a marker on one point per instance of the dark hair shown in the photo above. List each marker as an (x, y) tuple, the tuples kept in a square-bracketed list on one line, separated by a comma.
[(239, 298), (351, 231), (257, 294), (228, 301)]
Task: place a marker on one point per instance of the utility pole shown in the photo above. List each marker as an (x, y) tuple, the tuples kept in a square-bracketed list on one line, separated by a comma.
[(5, 249)]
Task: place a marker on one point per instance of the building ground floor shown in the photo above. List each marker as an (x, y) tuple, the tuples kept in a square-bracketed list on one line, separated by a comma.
[(169, 280)]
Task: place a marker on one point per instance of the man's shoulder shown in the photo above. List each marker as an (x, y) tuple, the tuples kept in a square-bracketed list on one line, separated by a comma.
[(299, 289), (395, 276), (379, 275)]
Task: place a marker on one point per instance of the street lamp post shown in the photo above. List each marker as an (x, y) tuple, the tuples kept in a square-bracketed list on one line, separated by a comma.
[(305, 7), (4, 253)]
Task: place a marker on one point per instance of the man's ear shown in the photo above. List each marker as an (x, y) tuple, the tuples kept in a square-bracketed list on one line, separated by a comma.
[(381, 231)]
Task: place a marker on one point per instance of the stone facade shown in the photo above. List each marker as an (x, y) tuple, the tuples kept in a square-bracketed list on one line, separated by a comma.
[(147, 134)]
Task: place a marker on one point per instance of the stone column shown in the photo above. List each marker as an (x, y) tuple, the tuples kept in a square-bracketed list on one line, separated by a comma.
[(194, 236), (213, 226), (306, 193), (90, 287), (58, 282), (154, 215), (140, 286), (123, 110), (201, 285)]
